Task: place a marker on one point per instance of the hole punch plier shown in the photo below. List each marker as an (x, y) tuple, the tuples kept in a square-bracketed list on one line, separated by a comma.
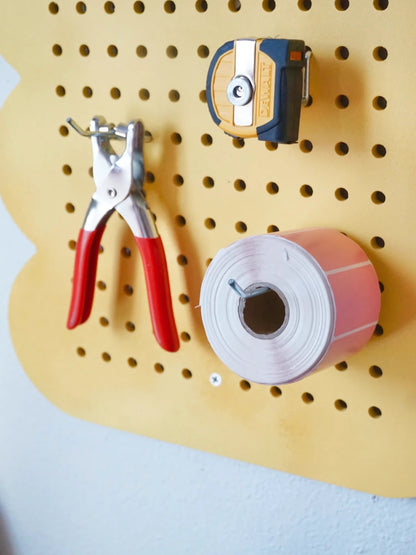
[(119, 187)]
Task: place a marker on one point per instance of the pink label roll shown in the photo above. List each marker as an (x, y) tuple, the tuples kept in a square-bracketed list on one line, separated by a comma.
[(299, 301)]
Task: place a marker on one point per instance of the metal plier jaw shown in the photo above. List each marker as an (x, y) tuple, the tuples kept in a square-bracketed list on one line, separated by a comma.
[(119, 187)]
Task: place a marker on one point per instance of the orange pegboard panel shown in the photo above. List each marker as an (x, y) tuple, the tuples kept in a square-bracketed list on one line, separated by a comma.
[(353, 170)]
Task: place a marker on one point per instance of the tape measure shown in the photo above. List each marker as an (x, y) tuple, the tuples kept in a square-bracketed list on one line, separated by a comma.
[(255, 88)]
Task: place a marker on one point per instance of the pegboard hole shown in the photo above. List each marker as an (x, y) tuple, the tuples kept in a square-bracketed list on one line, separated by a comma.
[(238, 142), (176, 138), (275, 391), (60, 90), (272, 228), (245, 385), (81, 352), (115, 93), (57, 49), (69, 207), (186, 373), (81, 7), (64, 131), (342, 5), (174, 95), (106, 357), (309, 102), (138, 7), (234, 6), (304, 5), (341, 366), (109, 7), (208, 182), (169, 7), (141, 51), (306, 146), (380, 53), (130, 326), (183, 299), (381, 286), (269, 5), (171, 51), (182, 260), (201, 6), (101, 285), (241, 227), (341, 194), (210, 223), (185, 336), (272, 188), (306, 191), (340, 405), (206, 139), (342, 53), (270, 145), (125, 252), (203, 51), (381, 4), (104, 321), (203, 96), (144, 94), (84, 50), (307, 398), (374, 412), (342, 101), (178, 180), (66, 169), (72, 244), (128, 290), (112, 50), (180, 221), (342, 148), (378, 331), (239, 185), (87, 92), (378, 197), (379, 151), (379, 103), (132, 362), (377, 242), (159, 368), (53, 8), (150, 178), (375, 371)]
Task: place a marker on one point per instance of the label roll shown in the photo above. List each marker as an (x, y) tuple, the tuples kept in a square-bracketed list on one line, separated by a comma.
[(277, 307)]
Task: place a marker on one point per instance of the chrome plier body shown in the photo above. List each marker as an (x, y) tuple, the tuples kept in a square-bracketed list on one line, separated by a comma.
[(119, 187)]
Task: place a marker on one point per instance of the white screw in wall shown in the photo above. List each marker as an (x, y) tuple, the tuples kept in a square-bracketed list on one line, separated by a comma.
[(215, 379)]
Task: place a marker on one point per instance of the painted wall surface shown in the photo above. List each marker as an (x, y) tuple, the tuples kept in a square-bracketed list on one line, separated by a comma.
[(70, 487)]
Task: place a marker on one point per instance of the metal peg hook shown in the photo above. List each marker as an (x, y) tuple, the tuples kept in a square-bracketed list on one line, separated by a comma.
[(306, 78), (108, 130), (241, 293)]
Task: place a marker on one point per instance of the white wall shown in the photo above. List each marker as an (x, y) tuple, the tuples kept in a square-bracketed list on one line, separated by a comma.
[(68, 487)]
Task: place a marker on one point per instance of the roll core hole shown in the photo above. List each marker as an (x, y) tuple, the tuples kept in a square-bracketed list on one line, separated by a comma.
[(264, 314)]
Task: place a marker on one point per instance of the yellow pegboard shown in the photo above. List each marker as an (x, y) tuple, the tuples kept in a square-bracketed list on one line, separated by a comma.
[(352, 170)]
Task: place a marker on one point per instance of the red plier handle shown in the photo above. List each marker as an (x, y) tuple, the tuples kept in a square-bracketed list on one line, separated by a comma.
[(115, 193), (157, 284)]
